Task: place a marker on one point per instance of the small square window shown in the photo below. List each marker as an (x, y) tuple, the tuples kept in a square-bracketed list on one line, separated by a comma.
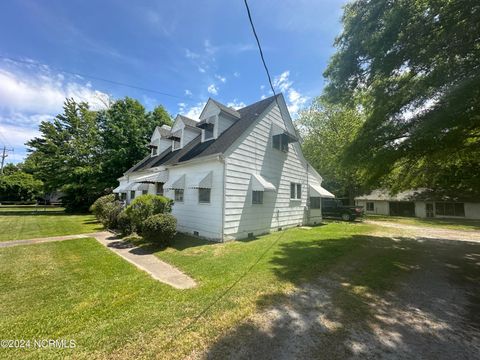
[(295, 191), (315, 202), (257, 197), (292, 190), (370, 206), (208, 133), (280, 142), (204, 196), (144, 192), (159, 188), (179, 195)]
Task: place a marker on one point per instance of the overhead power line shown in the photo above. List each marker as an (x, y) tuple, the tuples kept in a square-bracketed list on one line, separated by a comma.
[(259, 47), (114, 82)]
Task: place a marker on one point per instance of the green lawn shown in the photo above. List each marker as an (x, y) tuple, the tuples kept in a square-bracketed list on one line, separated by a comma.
[(26, 222), (453, 224), (79, 290)]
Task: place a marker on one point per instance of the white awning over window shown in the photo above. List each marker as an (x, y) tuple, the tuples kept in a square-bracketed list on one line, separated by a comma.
[(140, 187), (160, 177), (121, 188), (177, 182), (260, 184), (202, 180), (318, 191)]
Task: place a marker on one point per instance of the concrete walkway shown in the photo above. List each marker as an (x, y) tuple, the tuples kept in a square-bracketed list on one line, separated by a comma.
[(147, 262), (10, 243), (137, 256)]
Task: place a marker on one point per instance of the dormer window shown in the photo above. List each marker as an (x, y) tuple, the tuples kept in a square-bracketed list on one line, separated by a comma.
[(208, 132), (176, 138), (176, 144), (154, 150)]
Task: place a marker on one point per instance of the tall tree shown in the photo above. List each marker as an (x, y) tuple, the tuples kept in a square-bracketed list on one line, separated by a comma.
[(327, 132), (414, 65), (67, 155), (126, 130), (82, 152)]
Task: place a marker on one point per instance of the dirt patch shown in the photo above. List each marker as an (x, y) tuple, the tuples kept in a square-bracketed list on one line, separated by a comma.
[(429, 311), (395, 229)]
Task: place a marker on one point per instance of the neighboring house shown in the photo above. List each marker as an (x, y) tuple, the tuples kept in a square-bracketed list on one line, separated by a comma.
[(234, 174), (420, 203)]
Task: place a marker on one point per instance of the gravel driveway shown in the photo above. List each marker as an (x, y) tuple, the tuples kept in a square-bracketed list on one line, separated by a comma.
[(433, 312)]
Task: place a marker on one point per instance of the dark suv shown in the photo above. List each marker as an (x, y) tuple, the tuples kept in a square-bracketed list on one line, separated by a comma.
[(334, 208)]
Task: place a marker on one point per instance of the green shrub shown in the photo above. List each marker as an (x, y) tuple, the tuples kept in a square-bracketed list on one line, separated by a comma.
[(107, 209), (124, 225), (160, 228), (145, 206)]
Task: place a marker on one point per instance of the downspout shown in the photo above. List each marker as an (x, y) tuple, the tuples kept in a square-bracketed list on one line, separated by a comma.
[(308, 198), (223, 197)]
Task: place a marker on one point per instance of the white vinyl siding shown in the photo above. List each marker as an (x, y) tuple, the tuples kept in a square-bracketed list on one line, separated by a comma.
[(254, 153), (192, 215)]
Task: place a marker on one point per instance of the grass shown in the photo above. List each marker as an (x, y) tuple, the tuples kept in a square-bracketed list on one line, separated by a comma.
[(452, 224), (27, 222), (79, 290)]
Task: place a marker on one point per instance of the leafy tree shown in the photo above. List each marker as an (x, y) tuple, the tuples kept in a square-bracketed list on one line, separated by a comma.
[(19, 186), (328, 130), (126, 130), (67, 155), (10, 169), (414, 65), (160, 116), (82, 152)]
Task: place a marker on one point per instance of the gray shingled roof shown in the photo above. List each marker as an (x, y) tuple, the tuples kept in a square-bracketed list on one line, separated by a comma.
[(197, 149), (227, 109), (187, 121)]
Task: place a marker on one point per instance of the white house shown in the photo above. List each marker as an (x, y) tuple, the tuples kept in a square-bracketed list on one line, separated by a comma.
[(419, 203), (233, 174)]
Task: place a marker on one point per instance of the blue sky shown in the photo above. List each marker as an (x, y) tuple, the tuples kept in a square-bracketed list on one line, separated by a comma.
[(190, 49)]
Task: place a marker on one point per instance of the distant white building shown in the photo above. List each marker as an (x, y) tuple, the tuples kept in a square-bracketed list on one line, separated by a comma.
[(418, 203), (233, 174)]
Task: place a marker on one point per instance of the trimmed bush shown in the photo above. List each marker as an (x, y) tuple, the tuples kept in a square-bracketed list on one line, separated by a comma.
[(159, 229), (145, 206), (106, 209), (124, 225)]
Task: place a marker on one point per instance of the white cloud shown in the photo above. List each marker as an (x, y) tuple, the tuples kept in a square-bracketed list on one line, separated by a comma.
[(295, 100), (188, 92), (44, 93), (212, 89), (27, 98), (17, 135), (236, 74), (221, 78), (201, 69), (192, 112), (236, 104), (191, 55)]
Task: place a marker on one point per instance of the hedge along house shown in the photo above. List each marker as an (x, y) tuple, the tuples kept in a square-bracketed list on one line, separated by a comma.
[(421, 203), (233, 174)]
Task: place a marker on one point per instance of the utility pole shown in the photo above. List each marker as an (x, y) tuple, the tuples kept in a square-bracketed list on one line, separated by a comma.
[(4, 155)]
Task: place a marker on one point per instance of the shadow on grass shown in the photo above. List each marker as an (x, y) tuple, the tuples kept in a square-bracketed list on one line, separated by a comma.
[(365, 296), (140, 246), (37, 213)]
